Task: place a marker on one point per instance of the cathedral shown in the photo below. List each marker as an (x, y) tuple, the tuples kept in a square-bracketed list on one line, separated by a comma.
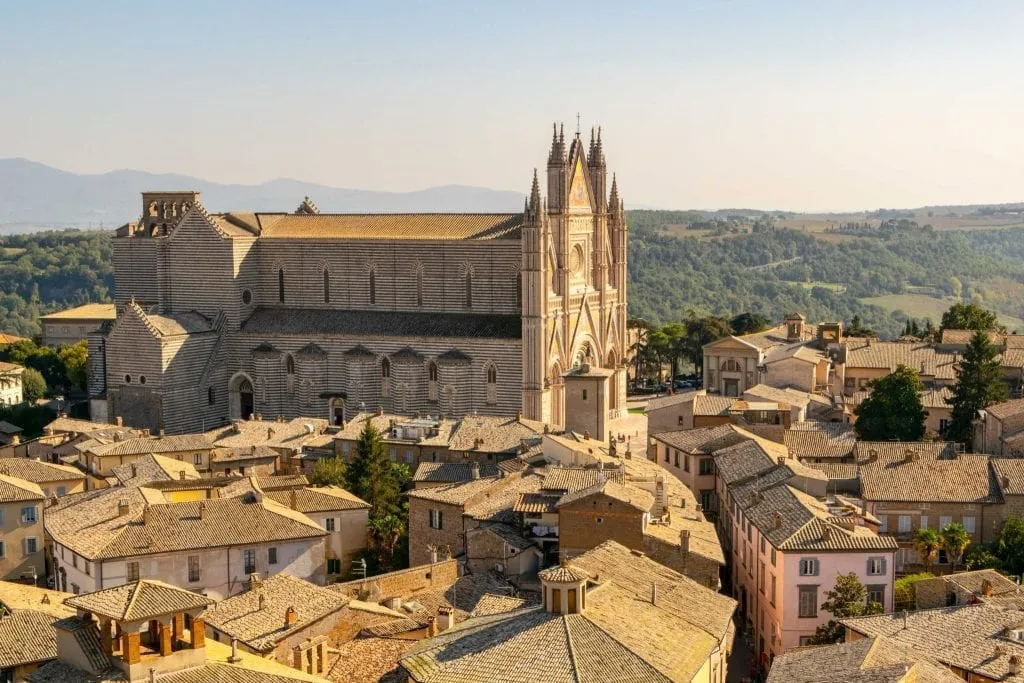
[(227, 316)]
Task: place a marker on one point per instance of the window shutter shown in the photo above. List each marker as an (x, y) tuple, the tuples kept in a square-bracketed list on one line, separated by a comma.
[(814, 564), (440, 519), (883, 567)]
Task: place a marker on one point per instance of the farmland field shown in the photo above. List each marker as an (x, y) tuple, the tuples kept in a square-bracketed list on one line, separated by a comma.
[(920, 306)]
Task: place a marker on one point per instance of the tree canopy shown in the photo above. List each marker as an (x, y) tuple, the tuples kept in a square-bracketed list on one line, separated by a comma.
[(962, 316), (979, 384), (848, 598), (893, 411)]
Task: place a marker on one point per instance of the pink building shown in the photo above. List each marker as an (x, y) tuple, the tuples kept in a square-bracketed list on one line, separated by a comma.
[(784, 541)]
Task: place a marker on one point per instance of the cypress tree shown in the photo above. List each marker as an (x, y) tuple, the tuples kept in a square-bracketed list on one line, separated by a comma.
[(979, 383)]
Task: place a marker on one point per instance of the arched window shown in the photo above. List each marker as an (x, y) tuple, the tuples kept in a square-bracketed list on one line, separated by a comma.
[(519, 290), (385, 376), (280, 285), (432, 381), (289, 364), (419, 286), (373, 286), (327, 286), (491, 396), (469, 289), (731, 366)]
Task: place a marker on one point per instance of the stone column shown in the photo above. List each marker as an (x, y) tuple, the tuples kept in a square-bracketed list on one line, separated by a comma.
[(165, 639), (105, 637), (178, 623), (198, 634), (130, 648)]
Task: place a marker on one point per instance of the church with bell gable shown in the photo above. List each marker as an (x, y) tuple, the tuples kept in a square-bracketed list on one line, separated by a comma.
[(222, 317)]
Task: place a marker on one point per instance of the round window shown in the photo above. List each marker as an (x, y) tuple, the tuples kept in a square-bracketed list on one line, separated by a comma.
[(142, 379), (127, 379), (246, 296)]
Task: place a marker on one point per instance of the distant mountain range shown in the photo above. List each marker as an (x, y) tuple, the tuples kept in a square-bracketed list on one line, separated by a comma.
[(34, 196)]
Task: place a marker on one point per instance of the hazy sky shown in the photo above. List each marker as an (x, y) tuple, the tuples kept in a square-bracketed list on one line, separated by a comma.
[(791, 105)]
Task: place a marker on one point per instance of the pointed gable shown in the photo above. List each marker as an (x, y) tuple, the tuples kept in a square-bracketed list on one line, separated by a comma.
[(579, 188)]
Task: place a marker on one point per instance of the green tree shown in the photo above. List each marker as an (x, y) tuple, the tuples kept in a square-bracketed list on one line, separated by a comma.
[(658, 345), (328, 472), (893, 411), (979, 383), (748, 323), (848, 598), (954, 541), (979, 556), (1009, 547), (384, 534), (927, 543), (33, 386), (75, 358), (373, 477), (969, 317), (702, 331)]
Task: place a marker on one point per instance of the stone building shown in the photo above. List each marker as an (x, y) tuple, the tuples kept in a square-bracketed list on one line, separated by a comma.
[(10, 384), (221, 317)]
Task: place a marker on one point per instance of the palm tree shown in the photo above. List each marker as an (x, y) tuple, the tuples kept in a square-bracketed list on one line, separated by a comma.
[(955, 540), (384, 533), (927, 543)]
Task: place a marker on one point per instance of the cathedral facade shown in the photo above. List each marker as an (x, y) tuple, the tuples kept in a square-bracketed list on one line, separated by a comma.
[(224, 316)]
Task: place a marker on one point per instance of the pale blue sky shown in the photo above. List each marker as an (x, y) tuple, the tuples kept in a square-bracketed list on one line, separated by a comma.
[(792, 105)]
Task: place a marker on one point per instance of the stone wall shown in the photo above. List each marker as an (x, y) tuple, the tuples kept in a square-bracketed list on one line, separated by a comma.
[(421, 535), (586, 523), (441, 574)]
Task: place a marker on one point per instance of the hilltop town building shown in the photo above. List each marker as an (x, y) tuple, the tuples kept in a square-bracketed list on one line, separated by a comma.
[(221, 317)]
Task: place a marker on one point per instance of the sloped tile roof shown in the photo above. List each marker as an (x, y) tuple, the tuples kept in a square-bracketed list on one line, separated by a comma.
[(90, 524), (563, 573), (1009, 475), (151, 468), (319, 499), (325, 322), (922, 357), (84, 312), (1003, 410), (820, 440), (13, 489), (702, 439), (38, 471), (27, 637), (139, 600), (869, 660), (154, 444), (257, 616), (630, 495), (965, 478), (672, 399), (712, 405), (572, 479), (391, 226), (497, 434), (965, 637), (451, 472)]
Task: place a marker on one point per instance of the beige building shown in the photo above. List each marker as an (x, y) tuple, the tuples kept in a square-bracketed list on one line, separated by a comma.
[(341, 514), (224, 316), (211, 545), (54, 480), (100, 459), (75, 324), (21, 530), (10, 384), (607, 615)]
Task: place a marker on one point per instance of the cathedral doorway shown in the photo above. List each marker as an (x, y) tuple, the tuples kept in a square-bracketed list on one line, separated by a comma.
[(242, 398), (337, 411)]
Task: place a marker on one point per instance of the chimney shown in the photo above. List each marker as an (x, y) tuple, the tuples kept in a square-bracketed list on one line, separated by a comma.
[(252, 449), (777, 520), (475, 470), (478, 442), (254, 581), (181, 475), (202, 510), (826, 533), (122, 507), (586, 434), (46, 599), (659, 493), (162, 433), (684, 541), (782, 460), (293, 499), (152, 675), (380, 411), (270, 433), (445, 618), (654, 594), (145, 432), (1014, 665), (519, 415), (135, 471), (290, 617), (986, 588), (904, 614), (15, 440), (1005, 482), (872, 455), (431, 627), (119, 421), (234, 658), (262, 601), (910, 455), (145, 514), (629, 454)]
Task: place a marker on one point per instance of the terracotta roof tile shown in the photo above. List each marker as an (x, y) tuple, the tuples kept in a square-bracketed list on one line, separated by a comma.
[(27, 637), (924, 477), (139, 600)]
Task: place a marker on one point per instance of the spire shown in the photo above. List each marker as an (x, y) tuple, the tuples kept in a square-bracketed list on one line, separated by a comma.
[(596, 150), (557, 155), (592, 144), (613, 203), (535, 193)]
